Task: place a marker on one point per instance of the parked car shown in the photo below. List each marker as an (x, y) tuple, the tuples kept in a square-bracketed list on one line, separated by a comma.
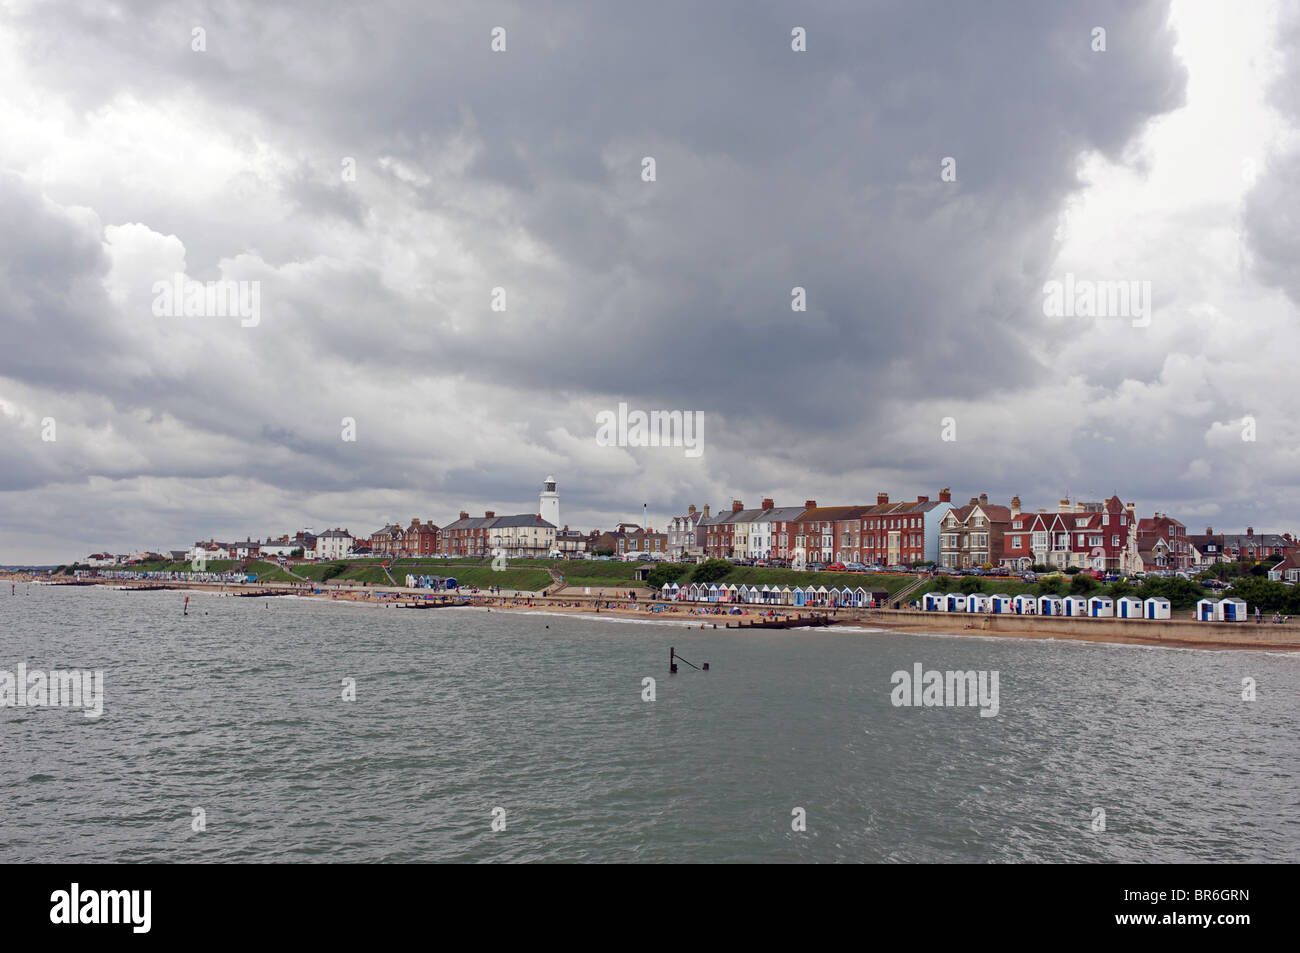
[(836, 567), (855, 567), (816, 567)]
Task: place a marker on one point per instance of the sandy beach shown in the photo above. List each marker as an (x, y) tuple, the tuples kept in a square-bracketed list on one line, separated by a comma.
[(1174, 633)]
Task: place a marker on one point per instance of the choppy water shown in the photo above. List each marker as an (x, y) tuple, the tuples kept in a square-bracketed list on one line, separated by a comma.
[(237, 710)]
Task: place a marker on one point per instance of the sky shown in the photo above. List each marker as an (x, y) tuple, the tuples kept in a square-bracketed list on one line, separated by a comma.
[(461, 261)]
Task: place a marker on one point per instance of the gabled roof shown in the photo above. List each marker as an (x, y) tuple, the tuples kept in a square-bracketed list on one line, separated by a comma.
[(829, 514), (521, 519)]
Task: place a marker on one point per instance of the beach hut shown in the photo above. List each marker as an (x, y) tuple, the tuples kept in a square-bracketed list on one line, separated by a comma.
[(1000, 604), (1233, 610), (846, 596), (1074, 606), (1025, 604), (823, 596), (1101, 607), (1206, 610), (861, 597), (713, 592), (674, 591), (666, 591), (952, 602), (978, 602), (1157, 607), (1050, 605), (1128, 607), (787, 596), (800, 596), (933, 602), (757, 595)]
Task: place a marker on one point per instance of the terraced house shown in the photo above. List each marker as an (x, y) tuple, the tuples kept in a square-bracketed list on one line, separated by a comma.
[(815, 529), (682, 533), (1086, 535), (972, 536), (895, 534)]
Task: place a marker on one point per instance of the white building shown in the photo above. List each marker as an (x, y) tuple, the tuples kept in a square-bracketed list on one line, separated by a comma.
[(549, 502), (333, 544)]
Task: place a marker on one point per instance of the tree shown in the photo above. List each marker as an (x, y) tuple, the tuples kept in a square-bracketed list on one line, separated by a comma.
[(711, 570), (665, 573), (1082, 584), (942, 583), (970, 585), (1268, 596)]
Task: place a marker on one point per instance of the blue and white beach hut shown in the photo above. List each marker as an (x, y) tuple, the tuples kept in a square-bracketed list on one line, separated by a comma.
[(1157, 607), (1233, 610), (1000, 604), (1207, 610), (1128, 607), (933, 602), (977, 602), (1025, 604), (800, 596), (1050, 605), (953, 602), (1074, 606), (1101, 607)]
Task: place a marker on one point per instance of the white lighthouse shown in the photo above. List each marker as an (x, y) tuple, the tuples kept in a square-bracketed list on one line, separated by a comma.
[(549, 503)]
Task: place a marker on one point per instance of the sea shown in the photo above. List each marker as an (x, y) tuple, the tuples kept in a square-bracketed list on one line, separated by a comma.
[(304, 730)]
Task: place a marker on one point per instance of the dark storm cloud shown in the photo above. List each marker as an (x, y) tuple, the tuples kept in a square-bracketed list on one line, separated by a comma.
[(775, 169)]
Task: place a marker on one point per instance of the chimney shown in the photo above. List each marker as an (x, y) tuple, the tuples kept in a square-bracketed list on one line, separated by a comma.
[(737, 506), (1209, 531), (768, 504), (984, 499), (923, 499), (415, 521), (690, 510), (488, 514), (810, 504), (1064, 506), (464, 515), (1250, 531), (706, 510), (1015, 506), (974, 500), (945, 495), (882, 499)]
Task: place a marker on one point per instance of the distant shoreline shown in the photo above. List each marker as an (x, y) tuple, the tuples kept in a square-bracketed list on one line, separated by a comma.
[(1174, 633)]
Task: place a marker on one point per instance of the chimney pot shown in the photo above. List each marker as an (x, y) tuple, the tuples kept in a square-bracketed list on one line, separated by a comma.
[(974, 500), (984, 499), (768, 504), (1250, 531), (464, 515), (488, 514), (810, 504), (737, 506), (923, 499), (945, 495), (690, 510), (882, 498)]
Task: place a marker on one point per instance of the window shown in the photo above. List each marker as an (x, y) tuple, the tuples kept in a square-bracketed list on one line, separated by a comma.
[(1114, 540), (1015, 542), (1018, 524)]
